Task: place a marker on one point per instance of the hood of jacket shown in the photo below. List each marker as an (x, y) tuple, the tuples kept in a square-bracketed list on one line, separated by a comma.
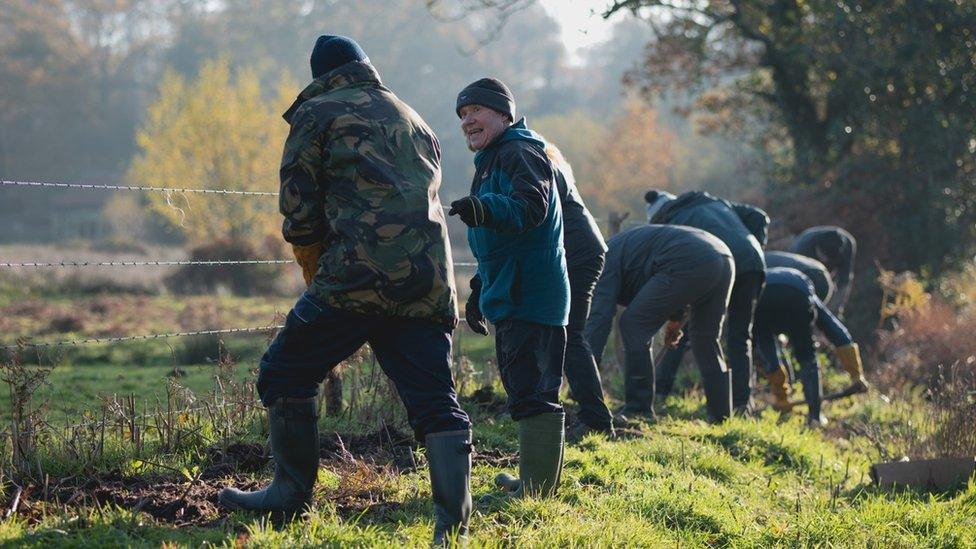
[(516, 132), (692, 198)]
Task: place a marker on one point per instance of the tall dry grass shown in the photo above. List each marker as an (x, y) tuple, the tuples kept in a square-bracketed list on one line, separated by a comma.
[(928, 343)]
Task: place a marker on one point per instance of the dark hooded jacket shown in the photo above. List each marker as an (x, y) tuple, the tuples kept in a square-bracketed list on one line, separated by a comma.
[(582, 238), (771, 313), (837, 250), (811, 268), (720, 218), (636, 255), (521, 261)]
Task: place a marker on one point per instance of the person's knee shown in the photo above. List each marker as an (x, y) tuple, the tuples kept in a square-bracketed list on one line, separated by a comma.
[(442, 416), (632, 335)]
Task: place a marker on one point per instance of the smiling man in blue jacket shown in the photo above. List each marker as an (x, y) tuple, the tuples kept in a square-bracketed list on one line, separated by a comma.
[(515, 230)]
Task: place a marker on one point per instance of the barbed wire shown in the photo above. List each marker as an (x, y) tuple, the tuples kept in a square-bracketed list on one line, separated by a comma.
[(167, 263), (94, 186), (151, 263), (91, 186), (24, 343)]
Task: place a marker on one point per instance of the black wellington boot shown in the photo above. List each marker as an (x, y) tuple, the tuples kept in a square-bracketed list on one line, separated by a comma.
[(813, 393), (718, 395), (449, 459), (295, 445)]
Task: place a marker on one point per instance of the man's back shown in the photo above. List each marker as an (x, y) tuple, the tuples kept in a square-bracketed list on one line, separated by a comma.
[(705, 212), (361, 171), (814, 270), (832, 246)]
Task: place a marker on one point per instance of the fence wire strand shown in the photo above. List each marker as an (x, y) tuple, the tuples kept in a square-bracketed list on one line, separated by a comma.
[(151, 263), (26, 343), (92, 186), (154, 263)]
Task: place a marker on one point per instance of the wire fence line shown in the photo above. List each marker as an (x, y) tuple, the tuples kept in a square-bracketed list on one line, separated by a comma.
[(26, 343), (102, 187), (167, 263), (151, 263), (92, 186)]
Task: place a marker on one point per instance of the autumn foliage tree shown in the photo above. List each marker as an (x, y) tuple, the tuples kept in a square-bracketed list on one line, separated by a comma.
[(218, 131), (638, 154)]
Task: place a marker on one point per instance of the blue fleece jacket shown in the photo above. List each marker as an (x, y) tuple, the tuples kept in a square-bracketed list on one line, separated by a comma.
[(521, 260)]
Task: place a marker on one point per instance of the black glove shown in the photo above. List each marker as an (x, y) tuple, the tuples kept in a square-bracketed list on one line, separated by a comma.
[(471, 211), (472, 312)]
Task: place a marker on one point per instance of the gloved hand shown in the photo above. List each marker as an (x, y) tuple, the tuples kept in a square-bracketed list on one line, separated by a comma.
[(672, 333), (308, 258), (472, 312), (471, 211)]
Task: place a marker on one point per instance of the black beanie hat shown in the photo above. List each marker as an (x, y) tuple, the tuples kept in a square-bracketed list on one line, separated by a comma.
[(331, 52), (489, 92)]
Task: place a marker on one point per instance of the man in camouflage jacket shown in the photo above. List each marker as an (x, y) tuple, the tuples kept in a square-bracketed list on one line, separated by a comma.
[(359, 179)]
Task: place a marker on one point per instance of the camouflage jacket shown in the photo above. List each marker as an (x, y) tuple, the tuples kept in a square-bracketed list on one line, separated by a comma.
[(360, 173)]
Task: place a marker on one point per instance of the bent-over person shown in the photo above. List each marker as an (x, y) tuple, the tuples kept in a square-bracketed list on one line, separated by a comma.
[(656, 272)]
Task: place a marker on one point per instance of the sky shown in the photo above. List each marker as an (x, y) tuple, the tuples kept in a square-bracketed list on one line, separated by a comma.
[(580, 22)]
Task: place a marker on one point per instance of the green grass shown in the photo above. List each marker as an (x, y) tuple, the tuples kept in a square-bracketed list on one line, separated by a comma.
[(71, 390), (747, 483), (759, 482)]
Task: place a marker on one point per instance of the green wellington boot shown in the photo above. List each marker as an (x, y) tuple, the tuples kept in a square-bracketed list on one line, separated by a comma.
[(541, 440), (449, 460), (295, 445)]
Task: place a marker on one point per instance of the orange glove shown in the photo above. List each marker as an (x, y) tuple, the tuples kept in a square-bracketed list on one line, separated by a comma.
[(308, 258), (672, 333)]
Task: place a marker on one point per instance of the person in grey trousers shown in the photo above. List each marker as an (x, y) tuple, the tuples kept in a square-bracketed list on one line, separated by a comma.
[(743, 228), (585, 251), (657, 272)]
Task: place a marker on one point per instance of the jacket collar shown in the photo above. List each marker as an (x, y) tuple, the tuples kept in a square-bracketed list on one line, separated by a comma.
[(354, 72), (517, 131), (686, 200)]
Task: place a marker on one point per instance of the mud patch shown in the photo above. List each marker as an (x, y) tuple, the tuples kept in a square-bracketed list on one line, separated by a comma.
[(487, 401), (365, 465), (236, 458), (165, 499), (387, 446), (495, 457)]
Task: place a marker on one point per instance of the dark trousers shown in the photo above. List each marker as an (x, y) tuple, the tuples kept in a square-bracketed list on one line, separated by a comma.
[(581, 369), (790, 312), (742, 306), (414, 353), (530, 361), (707, 291)]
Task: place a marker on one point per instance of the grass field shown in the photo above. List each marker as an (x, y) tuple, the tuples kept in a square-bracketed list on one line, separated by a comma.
[(680, 482), (749, 483), (760, 482)]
